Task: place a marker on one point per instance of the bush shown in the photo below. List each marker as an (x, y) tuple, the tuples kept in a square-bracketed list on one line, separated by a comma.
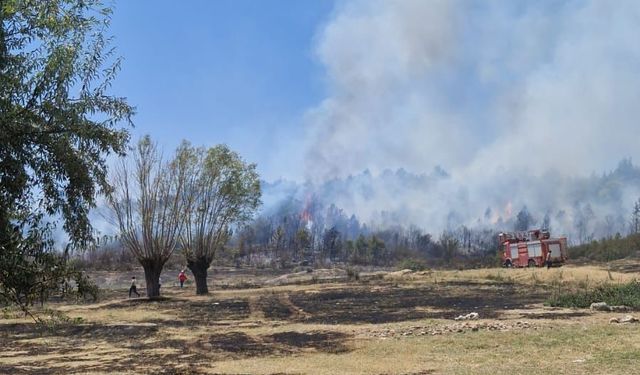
[(412, 264), (613, 294), (353, 274), (607, 249)]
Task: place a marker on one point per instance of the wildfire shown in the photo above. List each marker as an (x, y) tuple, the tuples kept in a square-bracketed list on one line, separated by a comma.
[(306, 216), (508, 210)]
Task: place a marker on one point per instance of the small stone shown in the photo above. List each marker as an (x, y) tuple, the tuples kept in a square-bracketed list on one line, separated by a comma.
[(628, 319), (600, 306)]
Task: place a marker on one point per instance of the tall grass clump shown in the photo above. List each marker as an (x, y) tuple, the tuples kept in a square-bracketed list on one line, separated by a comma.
[(353, 274), (613, 294), (412, 264), (499, 277)]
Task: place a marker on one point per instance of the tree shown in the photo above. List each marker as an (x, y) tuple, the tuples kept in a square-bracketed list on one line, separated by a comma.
[(635, 217), (449, 244), (58, 123), (361, 250), (524, 220), (582, 221), (147, 204), (377, 250), (331, 244), (303, 243), (278, 241), (222, 193)]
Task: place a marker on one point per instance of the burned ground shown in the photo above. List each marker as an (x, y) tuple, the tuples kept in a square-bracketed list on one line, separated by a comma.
[(184, 334), (394, 304), (273, 307), (325, 341)]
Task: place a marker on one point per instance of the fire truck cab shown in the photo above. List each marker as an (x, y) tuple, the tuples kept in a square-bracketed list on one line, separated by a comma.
[(530, 249)]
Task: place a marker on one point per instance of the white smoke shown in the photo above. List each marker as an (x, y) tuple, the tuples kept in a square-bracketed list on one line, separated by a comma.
[(513, 99)]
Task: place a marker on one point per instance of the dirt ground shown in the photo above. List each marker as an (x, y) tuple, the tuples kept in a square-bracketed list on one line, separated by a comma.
[(319, 323)]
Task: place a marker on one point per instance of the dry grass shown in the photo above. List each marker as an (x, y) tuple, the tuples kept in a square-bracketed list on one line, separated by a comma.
[(339, 328), (554, 350)]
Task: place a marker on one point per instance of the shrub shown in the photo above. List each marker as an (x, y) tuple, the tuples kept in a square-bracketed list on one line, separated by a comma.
[(412, 264), (353, 274), (613, 294), (607, 249)]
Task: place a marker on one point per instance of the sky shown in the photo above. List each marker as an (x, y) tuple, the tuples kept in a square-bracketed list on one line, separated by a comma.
[(238, 72), (313, 90)]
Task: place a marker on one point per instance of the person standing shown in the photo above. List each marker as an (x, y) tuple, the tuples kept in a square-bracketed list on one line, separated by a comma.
[(133, 288), (182, 277), (548, 259)]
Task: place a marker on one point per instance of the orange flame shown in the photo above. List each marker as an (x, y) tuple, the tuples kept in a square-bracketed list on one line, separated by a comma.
[(508, 210), (306, 216)]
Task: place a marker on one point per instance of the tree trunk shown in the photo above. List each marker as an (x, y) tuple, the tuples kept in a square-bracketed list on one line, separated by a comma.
[(199, 269), (152, 269)]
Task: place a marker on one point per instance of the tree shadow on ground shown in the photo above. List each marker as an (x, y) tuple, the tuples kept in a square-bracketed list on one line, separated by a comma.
[(113, 333), (190, 313), (324, 341), (180, 356), (66, 342)]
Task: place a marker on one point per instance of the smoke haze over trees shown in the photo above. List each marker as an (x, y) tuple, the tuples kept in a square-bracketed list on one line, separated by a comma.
[(521, 111), (581, 208)]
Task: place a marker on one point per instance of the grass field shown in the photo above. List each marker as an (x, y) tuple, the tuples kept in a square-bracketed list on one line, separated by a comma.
[(318, 323)]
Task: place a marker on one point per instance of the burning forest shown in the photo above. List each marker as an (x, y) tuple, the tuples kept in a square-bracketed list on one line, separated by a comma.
[(382, 219)]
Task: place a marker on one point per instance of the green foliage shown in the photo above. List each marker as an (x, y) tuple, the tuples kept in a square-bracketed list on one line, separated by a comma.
[(607, 249), (377, 249), (57, 119), (53, 319), (31, 272), (613, 294), (10, 313), (221, 193), (57, 124), (303, 242)]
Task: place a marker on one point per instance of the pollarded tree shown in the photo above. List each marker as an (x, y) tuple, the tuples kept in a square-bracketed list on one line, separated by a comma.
[(147, 206), (58, 121), (223, 193)]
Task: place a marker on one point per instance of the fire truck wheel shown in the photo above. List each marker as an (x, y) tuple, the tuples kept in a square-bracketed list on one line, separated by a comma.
[(532, 263), (508, 263)]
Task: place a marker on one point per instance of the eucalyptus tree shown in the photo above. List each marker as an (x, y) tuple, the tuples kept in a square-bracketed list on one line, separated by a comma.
[(58, 122), (222, 193), (147, 204)]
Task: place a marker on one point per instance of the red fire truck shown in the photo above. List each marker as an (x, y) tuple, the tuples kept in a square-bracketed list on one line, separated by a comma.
[(530, 249)]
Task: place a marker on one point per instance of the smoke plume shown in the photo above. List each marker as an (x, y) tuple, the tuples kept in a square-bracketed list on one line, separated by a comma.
[(515, 100)]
